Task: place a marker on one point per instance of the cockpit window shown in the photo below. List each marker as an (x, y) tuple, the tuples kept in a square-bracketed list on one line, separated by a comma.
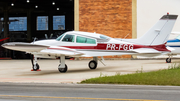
[(104, 37), (69, 38), (80, 39), (178, 37), (59, 38)]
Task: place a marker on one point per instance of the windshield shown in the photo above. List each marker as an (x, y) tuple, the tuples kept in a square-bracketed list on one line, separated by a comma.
[(69, 38), (60, 37), (104, 37), (178, 37)]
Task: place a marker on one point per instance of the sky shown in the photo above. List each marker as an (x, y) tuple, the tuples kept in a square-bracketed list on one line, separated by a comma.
[(150, 11)]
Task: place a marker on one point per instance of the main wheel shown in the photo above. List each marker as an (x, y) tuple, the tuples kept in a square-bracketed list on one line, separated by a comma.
[(63, 70), (35, 67), (168, 60), (92, 64)]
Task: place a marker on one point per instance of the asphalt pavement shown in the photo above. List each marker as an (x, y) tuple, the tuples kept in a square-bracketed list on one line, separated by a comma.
[(19, 83), (86, 92)]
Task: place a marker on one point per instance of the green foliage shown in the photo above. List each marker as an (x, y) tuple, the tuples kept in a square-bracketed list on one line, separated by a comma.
[(170, 76)]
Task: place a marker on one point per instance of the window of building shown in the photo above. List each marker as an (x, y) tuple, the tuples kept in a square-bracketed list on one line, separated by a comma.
[(18, 24), (80, 39), (59, 22), (42, 23), (1, 25), (69, 38)]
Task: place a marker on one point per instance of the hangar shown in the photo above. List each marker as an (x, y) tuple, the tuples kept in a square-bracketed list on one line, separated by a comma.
[(25, 20)]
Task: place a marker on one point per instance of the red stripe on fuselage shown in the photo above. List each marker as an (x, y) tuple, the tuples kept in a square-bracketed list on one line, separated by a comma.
[(99, 46), (123, 47), (4, 39), (161, 47)]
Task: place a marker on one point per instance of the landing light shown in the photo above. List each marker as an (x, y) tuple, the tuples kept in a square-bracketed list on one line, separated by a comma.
[(53, 3), (12, 4), (27, 1)]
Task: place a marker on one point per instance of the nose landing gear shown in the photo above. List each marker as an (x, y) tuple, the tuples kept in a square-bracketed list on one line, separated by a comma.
[(35, 65)]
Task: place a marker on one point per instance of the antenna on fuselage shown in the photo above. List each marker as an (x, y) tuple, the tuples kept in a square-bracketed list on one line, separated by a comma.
[(126, 36), (34, 39)]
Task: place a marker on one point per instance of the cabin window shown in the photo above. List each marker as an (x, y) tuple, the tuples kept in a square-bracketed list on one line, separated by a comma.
[(69, 38), (80, 39), (104, 37)]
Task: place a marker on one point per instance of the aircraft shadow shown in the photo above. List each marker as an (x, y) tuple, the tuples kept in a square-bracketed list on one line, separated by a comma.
[(51, 72)]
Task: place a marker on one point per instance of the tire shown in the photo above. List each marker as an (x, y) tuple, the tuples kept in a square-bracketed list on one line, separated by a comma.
[(63, 70), (35, 68), (92, 64), (168, 60)]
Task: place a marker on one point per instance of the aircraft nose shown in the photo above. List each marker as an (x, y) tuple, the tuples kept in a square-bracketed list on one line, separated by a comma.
[(3, 45)]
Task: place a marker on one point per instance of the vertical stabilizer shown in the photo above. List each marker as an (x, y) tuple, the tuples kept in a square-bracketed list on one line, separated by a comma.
[(159, 33)]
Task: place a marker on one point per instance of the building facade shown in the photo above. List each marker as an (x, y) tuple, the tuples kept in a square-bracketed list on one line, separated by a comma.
[(114, 18)]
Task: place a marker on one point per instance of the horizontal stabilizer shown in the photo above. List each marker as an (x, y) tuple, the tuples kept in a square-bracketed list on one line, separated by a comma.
[(146, 50), (169, 48)]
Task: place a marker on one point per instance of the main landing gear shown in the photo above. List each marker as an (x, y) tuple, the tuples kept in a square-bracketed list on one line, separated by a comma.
[(62, 66), (93, 63)]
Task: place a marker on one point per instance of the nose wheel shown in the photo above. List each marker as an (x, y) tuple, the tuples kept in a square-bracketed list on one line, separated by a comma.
[(92, 64), (35, 67)]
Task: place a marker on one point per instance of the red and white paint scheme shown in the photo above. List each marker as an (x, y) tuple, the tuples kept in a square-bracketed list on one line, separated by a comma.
[(85, 44)]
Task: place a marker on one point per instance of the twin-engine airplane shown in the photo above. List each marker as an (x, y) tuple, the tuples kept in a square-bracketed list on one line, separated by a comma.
[(85, 44), (174, 46)]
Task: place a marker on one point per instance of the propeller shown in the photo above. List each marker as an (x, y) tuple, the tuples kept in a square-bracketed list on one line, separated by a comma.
[(46, 36)]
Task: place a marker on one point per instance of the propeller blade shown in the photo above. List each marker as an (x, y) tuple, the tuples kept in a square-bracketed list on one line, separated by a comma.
[(50, 36), (46, 36)]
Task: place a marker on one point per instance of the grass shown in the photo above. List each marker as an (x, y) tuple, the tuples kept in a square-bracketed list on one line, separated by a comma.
[(170, 76)]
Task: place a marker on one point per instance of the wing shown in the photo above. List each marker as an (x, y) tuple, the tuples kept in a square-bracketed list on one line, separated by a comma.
[(41, 49), (57, 51), (24, 47)]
